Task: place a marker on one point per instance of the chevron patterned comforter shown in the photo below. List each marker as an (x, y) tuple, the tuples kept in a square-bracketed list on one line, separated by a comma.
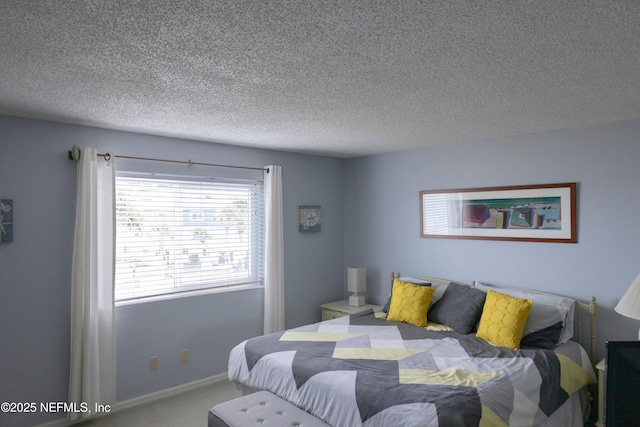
[(365, 371)]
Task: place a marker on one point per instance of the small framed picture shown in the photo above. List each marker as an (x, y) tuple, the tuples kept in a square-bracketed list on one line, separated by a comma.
[(6, 220), (309, 219)]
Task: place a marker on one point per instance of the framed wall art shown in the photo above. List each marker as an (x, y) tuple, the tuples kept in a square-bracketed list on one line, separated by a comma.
[(539, 213), (309, 219), (6, 220)]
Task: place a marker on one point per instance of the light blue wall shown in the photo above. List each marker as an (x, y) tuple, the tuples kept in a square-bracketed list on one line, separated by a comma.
[(370, 217), (35, 267), (382, 216)]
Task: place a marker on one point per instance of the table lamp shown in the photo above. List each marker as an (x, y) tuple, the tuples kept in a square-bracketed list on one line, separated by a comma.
[(629, 304), (356, 283)]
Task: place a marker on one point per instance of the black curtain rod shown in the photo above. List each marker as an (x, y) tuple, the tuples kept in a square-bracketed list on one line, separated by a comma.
[(74, 154)]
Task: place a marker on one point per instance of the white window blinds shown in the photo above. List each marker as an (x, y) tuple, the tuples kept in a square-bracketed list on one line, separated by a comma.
[(184, 234)]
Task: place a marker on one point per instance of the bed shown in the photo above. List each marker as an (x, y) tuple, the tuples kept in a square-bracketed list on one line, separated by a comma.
[(384, 368)]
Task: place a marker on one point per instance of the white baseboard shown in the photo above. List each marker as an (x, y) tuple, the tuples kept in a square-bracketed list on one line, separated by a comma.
[(147, 398)]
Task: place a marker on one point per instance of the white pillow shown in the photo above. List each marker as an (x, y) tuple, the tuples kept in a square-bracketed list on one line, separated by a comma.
[(413, 280), (547, 309), (439, 287), (437, 294)]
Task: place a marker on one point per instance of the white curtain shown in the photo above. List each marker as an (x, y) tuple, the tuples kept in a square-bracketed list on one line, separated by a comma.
[(274, 252), (92, 377)]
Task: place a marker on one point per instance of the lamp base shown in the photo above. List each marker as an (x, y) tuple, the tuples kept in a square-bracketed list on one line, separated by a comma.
[(356, 300)]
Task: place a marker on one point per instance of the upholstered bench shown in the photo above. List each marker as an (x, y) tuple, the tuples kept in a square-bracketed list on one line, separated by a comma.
[(261, 409)]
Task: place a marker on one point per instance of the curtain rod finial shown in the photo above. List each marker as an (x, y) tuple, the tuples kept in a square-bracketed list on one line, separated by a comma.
[(74, 153)]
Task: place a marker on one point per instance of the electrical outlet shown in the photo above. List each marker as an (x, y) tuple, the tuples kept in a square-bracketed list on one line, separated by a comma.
[(153, 363), (184, 356)]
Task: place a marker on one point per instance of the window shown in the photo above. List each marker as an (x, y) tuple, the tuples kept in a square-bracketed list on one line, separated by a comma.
[(184, 234)]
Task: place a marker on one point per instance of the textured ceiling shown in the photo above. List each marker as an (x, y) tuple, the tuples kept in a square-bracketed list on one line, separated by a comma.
[(341, 78)]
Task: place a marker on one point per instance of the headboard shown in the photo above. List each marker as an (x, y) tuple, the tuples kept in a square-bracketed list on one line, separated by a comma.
[(589, 309), (583, 310)]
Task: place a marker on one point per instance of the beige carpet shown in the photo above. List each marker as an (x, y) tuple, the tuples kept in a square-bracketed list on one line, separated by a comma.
[(188, 409)]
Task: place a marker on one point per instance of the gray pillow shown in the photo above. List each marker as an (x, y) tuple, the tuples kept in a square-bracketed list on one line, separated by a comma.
[(544, 338), (459, 308)]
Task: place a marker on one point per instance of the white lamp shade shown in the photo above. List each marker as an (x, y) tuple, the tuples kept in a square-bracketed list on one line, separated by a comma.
[(629, 304), (357, 279)]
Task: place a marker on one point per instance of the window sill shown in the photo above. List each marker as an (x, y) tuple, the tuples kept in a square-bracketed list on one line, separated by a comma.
[(187, 294)]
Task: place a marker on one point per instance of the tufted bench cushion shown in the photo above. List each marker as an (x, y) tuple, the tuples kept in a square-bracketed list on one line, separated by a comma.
[(261, 409)]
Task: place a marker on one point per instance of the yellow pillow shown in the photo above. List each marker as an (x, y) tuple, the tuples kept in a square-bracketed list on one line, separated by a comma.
[(503, 319), (409, 303)]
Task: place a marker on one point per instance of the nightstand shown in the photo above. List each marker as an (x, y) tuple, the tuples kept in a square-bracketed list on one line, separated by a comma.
[(601, 368), (341, 308)]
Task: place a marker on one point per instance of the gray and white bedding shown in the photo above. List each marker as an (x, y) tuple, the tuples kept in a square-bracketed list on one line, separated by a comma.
[(365, 371)]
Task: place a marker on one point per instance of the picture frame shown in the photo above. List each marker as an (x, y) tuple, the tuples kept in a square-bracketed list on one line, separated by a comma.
[(309, 219), (6, 220), (533, 213)]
